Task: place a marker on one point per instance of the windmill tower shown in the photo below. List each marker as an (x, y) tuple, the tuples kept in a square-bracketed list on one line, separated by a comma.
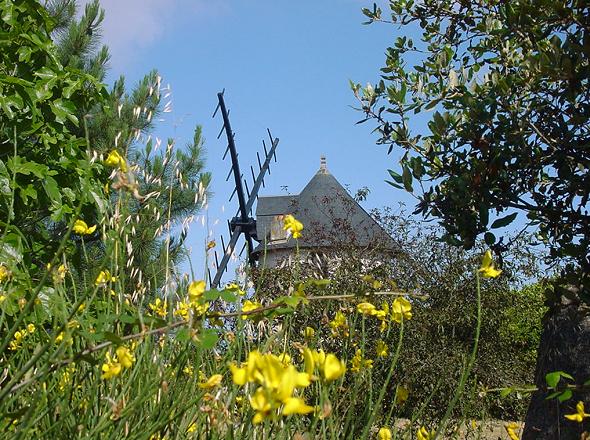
[(333, 219), (242, 224)]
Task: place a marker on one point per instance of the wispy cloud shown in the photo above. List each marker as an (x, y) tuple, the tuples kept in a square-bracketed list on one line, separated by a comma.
[(133, 26)]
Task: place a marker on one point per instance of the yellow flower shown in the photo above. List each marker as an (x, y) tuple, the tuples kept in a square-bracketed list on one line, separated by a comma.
[(81, 228), (182, 310), (125, 356), (31, 328), (248, 306), (401, 395), (235, 288), (339, 325), (384, 434), (104, 277), (308, 333), (110, 368), (358, 362), (114, 160), (296, 405), (196, 290), (333, 368), (211, 244), (192, 428), (261, 405), (487, 268), (579, 415), (381, 349), (511, 429), (366, 308), (4, 273), (2, 298), (401, 309), (159, 307), (423, 434), (292, 225), (212, 382), (239, 375)]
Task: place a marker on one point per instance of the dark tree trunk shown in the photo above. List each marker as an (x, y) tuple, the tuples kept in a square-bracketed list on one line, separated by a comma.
[(564, 346)]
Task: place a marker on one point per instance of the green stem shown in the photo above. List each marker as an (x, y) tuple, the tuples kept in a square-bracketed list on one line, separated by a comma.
[(441, 428)]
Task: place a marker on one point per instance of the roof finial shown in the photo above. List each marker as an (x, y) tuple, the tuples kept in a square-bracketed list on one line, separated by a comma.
[(323, 167)]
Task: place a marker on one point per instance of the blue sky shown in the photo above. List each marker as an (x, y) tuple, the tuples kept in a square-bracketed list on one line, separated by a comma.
[(284, 65)]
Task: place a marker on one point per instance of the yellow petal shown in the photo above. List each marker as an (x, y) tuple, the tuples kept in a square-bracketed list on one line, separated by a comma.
[(296, 405)]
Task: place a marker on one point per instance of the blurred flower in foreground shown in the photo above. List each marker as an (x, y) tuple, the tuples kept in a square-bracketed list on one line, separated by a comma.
[(115, 160), (488, 268), (81, 228), (384, 434)]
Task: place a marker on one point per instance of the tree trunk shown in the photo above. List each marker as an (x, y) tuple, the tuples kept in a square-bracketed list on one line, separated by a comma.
[(564, 346)]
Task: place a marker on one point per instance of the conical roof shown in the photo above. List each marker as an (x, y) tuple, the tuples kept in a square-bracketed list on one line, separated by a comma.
[(331, 218)]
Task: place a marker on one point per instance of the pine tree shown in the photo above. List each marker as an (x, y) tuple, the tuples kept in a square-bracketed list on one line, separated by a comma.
[(174, 180)]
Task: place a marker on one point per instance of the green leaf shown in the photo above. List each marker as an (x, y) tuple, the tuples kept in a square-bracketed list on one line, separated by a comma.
[(552, 379), (407, 179), (504, 221), (51, 189), (228, 296), (208, 338), (115, 339), (395, 176), (567, 394), (211, 295), (183, 335), (505, 392)]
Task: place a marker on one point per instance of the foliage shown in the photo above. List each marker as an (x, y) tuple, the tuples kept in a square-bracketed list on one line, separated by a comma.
[(121, 121), (46, 175), (507, 85), (440, 335)]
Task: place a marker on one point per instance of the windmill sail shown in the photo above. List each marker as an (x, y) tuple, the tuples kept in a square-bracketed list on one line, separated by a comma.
[(242, 223)]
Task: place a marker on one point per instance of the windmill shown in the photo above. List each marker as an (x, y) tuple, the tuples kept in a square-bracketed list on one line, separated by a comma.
[(242, 223)]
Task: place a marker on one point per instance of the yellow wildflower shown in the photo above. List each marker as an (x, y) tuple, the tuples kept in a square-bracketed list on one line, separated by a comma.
[(4, 273), (384, 434), (2, 298), (423, 434), (358, 362), (104, 277), (261, 405), (111, 367), (125, 356), (401, 309), (248, 306), (487, 268), (296, 405), (401, 395), (511, 429), (292, 225), (114, 160), (192, 428), (579, 415), (308, 333), (81, 228), (339, 325), (196, 290), (31, 328), (381, 349), (182, 309), (159, 307), (17, 340), (235, 288), (366, 308), (212, 382), (239, 375), (333, 368)]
